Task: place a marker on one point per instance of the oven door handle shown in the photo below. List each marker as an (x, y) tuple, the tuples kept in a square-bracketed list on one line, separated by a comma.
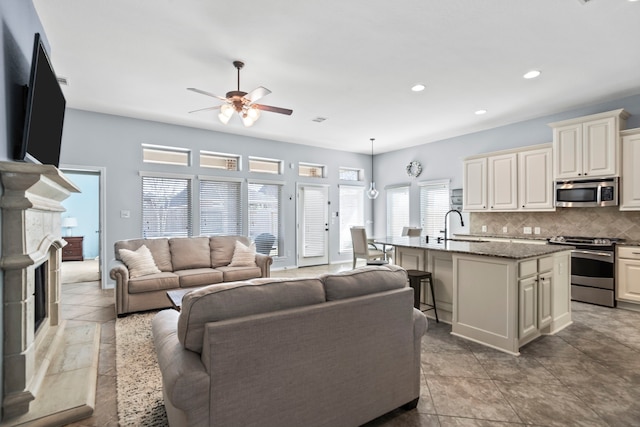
[(598, 256)]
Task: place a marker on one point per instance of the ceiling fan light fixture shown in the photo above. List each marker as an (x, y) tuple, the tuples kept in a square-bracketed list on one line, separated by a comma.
[(247, 121), (253, 113), (226, 111)]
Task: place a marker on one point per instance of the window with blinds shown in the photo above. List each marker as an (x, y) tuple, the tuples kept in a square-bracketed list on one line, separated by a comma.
[(166, 207), (314, 221), (397, 210), (434, 204), (351, 213), (220, 208), (265, 212)]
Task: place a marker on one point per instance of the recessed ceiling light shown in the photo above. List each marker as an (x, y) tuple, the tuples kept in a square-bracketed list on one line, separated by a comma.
[(481, 112), (418, 88), (532, 74)]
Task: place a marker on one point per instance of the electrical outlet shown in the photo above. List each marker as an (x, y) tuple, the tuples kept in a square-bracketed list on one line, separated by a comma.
[(484, 228), (504, 229), (536, 230), (527, 230), (125, 214)]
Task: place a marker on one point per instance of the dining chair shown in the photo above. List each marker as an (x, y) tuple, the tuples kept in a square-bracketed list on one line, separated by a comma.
[(361, 246)]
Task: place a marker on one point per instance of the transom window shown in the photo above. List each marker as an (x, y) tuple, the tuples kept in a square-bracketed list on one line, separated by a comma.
[(230, 162), (165, 155), (350, 174), (271, 166), (311, 170)]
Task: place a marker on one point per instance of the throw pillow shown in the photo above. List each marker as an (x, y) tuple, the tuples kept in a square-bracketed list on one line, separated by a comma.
[(139, 262), (243, 256)]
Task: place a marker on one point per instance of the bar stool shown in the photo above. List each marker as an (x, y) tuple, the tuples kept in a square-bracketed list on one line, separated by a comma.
[(377, 262), (416, 277)]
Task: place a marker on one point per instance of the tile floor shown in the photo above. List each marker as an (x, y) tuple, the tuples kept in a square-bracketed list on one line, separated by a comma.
[(587, 375)]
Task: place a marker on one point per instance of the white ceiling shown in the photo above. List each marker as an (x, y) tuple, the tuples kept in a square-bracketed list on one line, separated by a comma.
[(352, 62)]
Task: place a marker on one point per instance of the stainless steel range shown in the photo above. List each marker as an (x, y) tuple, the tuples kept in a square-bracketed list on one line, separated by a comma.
[(592, 268)]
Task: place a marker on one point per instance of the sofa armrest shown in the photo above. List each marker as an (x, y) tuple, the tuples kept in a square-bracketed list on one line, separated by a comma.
[(120, 273), (184, 378), (264, 262)]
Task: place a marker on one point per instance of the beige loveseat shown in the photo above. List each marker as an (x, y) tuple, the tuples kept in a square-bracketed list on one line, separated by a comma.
[(337, 350), (183, 262)]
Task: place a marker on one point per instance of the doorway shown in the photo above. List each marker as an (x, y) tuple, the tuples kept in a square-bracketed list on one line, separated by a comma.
[(85, 213), (313, 225)]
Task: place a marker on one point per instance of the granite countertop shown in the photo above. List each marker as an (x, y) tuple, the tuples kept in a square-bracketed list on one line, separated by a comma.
[(493, 249)]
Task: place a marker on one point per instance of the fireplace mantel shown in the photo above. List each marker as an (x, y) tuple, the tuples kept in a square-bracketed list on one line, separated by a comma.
[(31, 207)]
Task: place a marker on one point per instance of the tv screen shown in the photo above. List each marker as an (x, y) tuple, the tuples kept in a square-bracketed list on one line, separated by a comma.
[(44, 115)]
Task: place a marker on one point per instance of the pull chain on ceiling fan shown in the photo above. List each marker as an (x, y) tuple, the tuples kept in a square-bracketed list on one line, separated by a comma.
[(242, 102)]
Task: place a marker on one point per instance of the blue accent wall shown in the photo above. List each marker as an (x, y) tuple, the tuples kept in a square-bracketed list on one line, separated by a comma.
[(84, 206)]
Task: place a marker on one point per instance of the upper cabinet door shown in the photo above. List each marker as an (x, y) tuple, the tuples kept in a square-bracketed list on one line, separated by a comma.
[(599, 147), (630, 199), (568, 151), (503, 182), (535, 183), (475, 185)]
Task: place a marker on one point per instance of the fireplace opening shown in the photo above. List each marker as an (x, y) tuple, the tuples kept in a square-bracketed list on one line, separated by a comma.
[(40, 295)]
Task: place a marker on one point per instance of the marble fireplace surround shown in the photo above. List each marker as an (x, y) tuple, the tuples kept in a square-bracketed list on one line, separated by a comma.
[(31, 207)]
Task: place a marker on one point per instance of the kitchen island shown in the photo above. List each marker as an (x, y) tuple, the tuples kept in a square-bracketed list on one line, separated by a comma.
[(502, 295)]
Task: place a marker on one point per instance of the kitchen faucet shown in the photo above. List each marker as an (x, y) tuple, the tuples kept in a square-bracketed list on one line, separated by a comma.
[(444, 239)]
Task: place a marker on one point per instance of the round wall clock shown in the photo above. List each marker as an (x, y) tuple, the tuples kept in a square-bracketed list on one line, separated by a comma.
[(414, 169)]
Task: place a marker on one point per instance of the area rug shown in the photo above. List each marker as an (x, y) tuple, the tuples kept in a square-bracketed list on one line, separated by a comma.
[(80, 271), (139, 382)]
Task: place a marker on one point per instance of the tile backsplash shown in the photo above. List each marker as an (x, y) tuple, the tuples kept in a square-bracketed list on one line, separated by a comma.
[(593, 222)]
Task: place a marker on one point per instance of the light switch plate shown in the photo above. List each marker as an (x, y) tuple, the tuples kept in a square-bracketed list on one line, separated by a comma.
[(125, 214), (536, 230), (527, 230), (484, 228), (504, 229)]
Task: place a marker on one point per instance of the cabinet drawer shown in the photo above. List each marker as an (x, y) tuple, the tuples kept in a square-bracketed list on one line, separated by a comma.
[(545, 264), (631, 252), (527, 268)]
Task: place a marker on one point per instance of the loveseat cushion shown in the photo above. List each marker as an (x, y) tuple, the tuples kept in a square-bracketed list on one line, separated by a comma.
[(159, 248), (153, 282), (234, 274), (363, 281), (223, 247), (199, 277), (189, 252), (239, 299)]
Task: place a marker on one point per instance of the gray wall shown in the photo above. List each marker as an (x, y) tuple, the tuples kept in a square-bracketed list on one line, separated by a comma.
[(19, 23), (114, 142), (443, 159)]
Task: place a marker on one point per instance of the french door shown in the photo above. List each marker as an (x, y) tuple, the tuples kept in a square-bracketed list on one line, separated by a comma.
[(313, 225)]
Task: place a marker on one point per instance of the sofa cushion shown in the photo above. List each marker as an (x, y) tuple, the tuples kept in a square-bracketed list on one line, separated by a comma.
[(243, 256), (199, 277), (159, 248), (153, 282), (238, 299), (363, 281), (234, 274), (190, 252), (223, 247), (139, 262)]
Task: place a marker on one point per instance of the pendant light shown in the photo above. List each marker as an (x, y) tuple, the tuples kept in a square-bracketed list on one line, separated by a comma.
[(372, 193)]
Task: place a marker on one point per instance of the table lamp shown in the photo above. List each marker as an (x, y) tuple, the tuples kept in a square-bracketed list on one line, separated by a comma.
[(69, 223)]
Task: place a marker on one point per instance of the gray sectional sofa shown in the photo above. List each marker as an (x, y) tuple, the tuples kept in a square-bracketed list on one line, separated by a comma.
[(183, 262), (336, 350)]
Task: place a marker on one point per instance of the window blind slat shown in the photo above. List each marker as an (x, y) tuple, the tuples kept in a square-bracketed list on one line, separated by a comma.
[(351, 213), (220, 208), (166, 207), (265, 212)]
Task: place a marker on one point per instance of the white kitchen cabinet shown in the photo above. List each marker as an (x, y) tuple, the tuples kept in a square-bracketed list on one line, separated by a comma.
[(535, 286), (503, 182), (628, 274), (535, 180), (588, 146), (545, 288), (474, 195), (527, 307), (630, 182)]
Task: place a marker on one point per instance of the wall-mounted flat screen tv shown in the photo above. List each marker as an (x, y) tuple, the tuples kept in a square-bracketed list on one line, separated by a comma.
[(44, 113)]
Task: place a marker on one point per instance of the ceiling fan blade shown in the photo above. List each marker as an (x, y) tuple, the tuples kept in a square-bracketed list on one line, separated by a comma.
[(257, 93), (204, 92), (273, 109), (205, 109)]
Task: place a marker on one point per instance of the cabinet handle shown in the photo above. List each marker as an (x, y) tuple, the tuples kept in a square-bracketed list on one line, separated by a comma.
[(635, 253)]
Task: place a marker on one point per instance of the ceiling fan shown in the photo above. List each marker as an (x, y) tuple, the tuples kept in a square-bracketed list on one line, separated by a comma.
[(242, 102)]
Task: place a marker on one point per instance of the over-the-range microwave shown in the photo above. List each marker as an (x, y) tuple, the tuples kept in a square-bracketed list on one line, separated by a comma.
[(586, 193)]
